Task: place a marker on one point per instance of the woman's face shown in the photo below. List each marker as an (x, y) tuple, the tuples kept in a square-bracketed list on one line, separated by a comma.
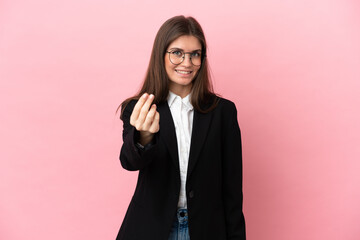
[(181, 75)]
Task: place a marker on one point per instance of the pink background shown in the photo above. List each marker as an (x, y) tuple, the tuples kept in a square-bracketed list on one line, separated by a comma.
[(291, 67)]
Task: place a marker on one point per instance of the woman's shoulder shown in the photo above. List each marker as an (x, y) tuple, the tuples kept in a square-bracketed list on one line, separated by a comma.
[(225, 104)]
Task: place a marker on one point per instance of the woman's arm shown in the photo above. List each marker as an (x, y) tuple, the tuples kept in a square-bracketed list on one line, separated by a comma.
[(133, 157), (232, 177)]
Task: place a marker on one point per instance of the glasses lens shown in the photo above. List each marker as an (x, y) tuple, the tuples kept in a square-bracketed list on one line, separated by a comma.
[(176, 57), (196, 59)]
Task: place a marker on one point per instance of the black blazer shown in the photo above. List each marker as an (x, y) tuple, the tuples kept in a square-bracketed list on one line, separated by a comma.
[(214, 178)]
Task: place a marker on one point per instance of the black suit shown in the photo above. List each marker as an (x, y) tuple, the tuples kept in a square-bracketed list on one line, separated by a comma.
[(214, 178)]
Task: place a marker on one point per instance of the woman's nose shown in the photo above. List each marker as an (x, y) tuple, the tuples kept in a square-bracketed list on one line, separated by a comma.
[(187, 60)]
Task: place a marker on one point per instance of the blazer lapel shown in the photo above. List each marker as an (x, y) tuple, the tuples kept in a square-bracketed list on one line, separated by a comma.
[(200, 129), (167, 132)]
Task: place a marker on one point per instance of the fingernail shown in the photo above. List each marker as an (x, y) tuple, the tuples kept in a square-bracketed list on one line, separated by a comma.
[(151, 95), (144, 95)]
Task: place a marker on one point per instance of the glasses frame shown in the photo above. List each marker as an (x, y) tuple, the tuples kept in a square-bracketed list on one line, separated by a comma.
[(183, 57)]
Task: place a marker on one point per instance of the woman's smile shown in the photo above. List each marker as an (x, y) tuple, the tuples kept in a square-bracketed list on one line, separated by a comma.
[(184, 73)]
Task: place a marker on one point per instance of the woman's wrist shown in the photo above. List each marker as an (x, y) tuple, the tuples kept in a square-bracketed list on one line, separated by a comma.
[(145, 137)]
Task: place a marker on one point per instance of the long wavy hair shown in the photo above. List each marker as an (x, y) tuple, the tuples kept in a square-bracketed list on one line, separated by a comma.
[(156, 79)]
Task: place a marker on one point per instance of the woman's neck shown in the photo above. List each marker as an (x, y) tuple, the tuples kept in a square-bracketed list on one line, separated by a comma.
[(181, 91)]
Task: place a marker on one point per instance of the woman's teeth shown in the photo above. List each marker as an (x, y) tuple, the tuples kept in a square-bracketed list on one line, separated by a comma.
[(183, 72)]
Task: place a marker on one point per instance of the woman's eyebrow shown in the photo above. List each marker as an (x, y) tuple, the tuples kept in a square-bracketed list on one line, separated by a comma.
[(175, 48)]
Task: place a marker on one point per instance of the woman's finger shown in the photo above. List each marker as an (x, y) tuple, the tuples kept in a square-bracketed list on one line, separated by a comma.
[(149, 118), (145, 109), (155, 127), (136, 111)]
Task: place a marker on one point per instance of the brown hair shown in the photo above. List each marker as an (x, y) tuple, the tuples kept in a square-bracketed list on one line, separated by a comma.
[(156, 79)]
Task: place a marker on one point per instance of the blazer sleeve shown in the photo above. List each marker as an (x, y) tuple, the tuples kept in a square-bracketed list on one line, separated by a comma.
[(232, 178), (131, 157)]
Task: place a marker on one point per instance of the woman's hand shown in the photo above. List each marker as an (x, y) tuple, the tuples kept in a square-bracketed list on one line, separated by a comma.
[(145, 118)]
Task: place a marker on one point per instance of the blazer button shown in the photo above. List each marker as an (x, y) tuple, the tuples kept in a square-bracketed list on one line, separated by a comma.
[(191, 194)]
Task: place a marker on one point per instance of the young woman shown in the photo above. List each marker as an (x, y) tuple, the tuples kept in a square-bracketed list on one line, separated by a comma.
[(185, 142)]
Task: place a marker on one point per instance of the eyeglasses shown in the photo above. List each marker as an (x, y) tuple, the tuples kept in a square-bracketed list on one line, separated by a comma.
[(177, 56)]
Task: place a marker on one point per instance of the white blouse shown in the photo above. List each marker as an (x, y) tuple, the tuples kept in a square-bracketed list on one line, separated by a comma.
[(183, 114)]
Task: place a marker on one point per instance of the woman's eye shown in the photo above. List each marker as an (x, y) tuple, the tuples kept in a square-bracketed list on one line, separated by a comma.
[(177, 53), (195, 54)]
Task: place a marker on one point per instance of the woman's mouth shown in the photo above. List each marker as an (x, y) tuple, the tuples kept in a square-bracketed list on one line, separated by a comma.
[(183, 72)]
